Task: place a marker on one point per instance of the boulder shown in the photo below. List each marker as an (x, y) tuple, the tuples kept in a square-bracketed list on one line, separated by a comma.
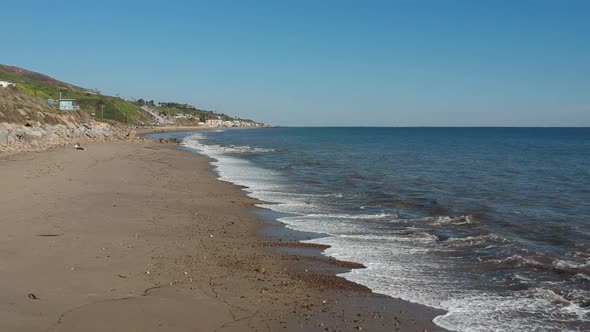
[(6, 126), (30, 134), (4, 134), (168, 140), (52, 137), (100, 132)]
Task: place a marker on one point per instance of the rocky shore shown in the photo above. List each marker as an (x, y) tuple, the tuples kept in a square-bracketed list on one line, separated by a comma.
[(36, 137)]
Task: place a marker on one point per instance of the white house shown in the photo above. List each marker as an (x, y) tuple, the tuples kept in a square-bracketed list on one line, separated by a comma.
[(214, 122), (6, 84), (68, 105)]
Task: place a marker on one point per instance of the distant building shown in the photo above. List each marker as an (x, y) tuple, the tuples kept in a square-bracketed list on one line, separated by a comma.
[(68, 105), (6, 84), (214, 122)]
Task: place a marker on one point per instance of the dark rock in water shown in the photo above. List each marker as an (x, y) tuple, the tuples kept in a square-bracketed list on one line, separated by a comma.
[(169, 140)]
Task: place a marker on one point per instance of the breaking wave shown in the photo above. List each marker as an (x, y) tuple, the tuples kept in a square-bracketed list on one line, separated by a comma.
[(542, 262)]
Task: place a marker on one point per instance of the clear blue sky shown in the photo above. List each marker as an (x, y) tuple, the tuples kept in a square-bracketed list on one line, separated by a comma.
[(391, 63)]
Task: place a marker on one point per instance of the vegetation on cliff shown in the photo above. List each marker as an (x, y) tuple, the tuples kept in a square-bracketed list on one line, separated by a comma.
[(90, 101), (93, 102)]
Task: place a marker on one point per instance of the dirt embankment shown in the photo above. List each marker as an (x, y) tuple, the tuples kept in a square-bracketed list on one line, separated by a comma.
[(19, 108), (30, 123)]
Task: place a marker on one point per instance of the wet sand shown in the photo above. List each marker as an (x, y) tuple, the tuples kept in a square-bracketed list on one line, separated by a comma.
[(141, 236)]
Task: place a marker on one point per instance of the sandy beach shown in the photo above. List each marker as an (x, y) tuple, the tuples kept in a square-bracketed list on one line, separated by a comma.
[(141, 236)]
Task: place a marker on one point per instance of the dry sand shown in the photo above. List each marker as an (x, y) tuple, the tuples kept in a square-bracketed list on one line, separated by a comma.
[(141, 236)]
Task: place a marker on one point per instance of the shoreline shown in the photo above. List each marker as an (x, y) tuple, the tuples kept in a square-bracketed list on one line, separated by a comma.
[(160, 241), (281, 240)]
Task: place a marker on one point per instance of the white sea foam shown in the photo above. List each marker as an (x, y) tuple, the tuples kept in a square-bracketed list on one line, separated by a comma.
[(217, 149), (355, 216), (508, 313), (408, 274), (567, 265), (445, 220), (469, 241)]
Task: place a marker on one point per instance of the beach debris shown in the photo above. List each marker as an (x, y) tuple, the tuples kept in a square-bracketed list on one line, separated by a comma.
[(33, 296), (131, 135), (261, 269), (210, 235), (147, 272), (324, 301), (50, 235), (121, 276), (78, 147)]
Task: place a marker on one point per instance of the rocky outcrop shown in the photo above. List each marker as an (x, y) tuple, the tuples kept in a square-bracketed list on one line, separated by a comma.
[(169, 140), (15, 137)]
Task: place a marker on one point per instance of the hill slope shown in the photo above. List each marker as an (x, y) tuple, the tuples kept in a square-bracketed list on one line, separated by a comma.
[(19, 108), (46, 87)]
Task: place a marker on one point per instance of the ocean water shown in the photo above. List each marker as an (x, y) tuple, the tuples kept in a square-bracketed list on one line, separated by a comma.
[(490, 224)]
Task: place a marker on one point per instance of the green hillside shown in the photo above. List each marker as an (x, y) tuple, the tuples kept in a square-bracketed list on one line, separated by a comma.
[(173, 109), (45, 87)]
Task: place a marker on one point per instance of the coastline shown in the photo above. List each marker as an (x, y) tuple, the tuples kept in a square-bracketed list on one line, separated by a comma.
[(129, 208)]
